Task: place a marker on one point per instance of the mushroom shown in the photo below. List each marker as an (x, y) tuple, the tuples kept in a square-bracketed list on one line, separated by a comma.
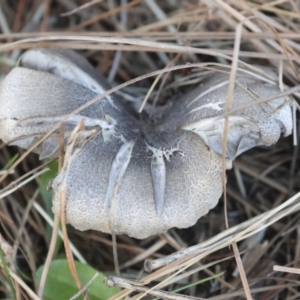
[(145, 175)]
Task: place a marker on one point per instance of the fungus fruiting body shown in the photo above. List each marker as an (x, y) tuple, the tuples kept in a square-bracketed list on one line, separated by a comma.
[(145, 176)]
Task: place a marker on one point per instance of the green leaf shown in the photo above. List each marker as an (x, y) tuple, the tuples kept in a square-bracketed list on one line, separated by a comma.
[(43, 184), (44, 180), (60, 283)]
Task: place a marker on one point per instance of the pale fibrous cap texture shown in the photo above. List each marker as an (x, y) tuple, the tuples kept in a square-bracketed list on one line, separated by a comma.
[(130, 173)]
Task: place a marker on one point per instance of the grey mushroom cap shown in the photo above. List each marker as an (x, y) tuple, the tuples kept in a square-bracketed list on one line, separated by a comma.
[(126, 174)]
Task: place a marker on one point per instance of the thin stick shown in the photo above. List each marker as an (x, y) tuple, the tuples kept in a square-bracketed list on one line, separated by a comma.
[(24, 286), (47, 218), (242, 271), (113, 232), (85, 287), (229, 101), (80, 8), (69, 254), (104, 15), (136, 286), (49, 256), (286, 269), (55, 224), (5, 194)]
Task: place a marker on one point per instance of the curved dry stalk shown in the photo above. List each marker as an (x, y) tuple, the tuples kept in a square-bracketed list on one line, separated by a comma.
[(69, 254)]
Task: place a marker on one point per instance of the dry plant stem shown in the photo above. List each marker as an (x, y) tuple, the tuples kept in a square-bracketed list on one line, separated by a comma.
[(104, 15), (45, 16), (123, 293), (295, 140), (47, 218), (286, 269), (20, 10), (172, 21), (174, 241), (61, 147), (257, 221), (30, 293), (49, 256), (241, 199), (108, 242), (241, 271), (272, 183), (228, 106), (155, 35), (233, 234), (24, 220), (183, 267), (151, 265), (231, 295), (246, 21), (5, 194), (14, 183), (198, 269), (284, 47), (272, 22), (84, 289), (114, 238), (170, 64), (69, 254), (55, 224), (4, 172), (166, 75), (270, 7), (120, 47), (291, 91), (117, 59), (193, 260), (144, 254), (137, 287), (111, 76), (148, 44), (151, 89), (80, 8)]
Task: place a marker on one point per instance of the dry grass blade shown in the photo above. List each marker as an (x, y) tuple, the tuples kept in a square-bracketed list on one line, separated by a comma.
[(28, 290), (234, 234), (241, 271), (80, 8), (55, 224), (48, 219), (18, 186), (286, 269), (69, 254), (135, 286), (105, 15), (85, 288)]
